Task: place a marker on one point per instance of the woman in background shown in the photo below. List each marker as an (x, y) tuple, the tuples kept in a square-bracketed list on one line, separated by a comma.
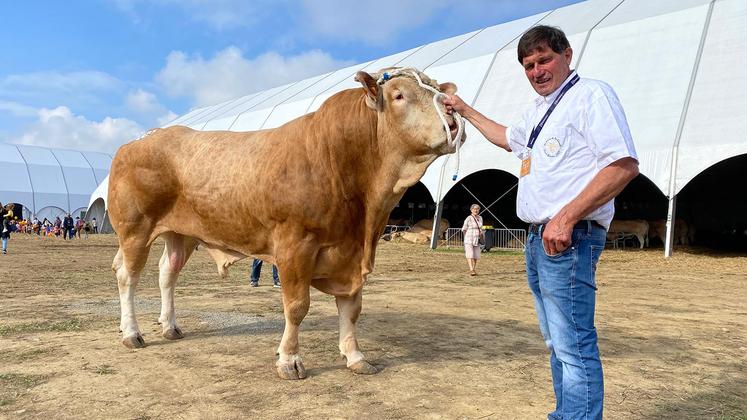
[(472, 230)]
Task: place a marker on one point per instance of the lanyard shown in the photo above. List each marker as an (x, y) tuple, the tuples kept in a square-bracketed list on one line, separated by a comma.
[(536, 130)]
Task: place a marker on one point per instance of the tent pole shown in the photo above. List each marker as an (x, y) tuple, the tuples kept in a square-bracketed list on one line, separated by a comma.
[(436, 224), (669, 241)]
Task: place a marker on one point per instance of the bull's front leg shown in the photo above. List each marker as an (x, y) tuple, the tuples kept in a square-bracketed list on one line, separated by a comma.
[(295, 306), (349, 308)]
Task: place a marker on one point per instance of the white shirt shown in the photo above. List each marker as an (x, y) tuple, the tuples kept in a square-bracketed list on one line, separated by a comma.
[(586, 132)]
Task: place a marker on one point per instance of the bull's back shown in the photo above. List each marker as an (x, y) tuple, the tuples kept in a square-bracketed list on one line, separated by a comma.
[(143, 180)]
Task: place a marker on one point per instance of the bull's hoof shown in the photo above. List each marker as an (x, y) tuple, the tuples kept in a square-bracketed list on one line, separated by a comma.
[(134, 342), (173, 334), (292, 369), (362, 367)]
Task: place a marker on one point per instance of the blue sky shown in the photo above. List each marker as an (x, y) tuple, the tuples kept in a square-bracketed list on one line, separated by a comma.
[(94, 74)]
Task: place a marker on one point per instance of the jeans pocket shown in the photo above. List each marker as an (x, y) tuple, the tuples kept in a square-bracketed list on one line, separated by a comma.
[(574, 241)]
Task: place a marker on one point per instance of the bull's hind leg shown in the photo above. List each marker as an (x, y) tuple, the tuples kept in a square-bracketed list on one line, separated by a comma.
[(349, 308), (177, 251), (127, 265)]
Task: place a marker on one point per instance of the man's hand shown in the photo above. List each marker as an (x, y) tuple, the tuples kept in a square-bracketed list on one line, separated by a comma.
[(455, 103), (556, 236)]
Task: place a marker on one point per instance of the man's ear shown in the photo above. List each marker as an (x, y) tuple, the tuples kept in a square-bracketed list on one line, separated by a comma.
[(372, 88), (448, 88)]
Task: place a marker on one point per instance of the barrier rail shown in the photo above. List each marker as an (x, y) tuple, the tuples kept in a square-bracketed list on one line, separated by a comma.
[(505, 239)]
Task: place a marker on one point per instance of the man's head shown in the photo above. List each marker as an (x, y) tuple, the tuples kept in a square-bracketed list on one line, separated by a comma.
[(545, 54)]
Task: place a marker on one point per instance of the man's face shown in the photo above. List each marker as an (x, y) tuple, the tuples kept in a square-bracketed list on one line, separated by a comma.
[(546, 69)]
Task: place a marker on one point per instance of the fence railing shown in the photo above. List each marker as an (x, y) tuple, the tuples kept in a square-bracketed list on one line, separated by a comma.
[(508, 239)]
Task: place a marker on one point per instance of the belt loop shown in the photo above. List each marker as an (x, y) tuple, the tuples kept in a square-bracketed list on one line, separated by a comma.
[(589, 225)]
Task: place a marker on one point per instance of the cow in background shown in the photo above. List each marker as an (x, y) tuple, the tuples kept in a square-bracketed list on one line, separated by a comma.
[(637, 228), (684, 233)]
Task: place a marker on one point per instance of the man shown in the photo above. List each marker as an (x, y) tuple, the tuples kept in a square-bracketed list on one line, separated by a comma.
[(577, 155), (68, 225)]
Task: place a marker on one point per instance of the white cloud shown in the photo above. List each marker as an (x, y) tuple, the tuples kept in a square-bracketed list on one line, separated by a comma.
[(228, 74), (166, 118), (143, 102), (60, 128)]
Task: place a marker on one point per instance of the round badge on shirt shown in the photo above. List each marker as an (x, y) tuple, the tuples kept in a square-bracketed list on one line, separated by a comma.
[(552, 146)]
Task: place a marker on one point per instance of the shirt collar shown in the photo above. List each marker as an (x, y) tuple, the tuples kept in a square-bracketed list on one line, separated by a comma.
[(551, 97)]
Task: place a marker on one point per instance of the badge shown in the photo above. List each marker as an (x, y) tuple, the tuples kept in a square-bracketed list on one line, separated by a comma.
[(526, 164), (552, 146)]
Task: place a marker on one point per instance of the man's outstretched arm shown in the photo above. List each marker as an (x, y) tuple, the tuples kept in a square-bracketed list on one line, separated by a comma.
[(494, 132)]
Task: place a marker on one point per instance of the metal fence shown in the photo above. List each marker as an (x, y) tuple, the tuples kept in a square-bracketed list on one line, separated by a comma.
[(505, 239)]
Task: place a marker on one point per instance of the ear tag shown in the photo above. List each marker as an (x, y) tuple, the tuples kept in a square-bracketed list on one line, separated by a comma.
[(386, 76)]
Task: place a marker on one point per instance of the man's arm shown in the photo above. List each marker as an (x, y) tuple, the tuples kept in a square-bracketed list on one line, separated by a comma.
[(494, 132), (606, 185)]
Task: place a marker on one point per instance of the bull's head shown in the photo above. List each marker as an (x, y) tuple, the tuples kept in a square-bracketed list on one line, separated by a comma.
[(404, 101)]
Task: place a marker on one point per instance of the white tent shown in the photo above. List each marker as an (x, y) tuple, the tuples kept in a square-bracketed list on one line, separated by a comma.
[(49, 182), (668, 60)]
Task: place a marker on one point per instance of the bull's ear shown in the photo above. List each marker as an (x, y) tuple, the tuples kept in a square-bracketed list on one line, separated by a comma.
[(369, 83), (448, 88)]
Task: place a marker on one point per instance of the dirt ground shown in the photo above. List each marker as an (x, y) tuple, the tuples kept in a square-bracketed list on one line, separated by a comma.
[(673, 338)]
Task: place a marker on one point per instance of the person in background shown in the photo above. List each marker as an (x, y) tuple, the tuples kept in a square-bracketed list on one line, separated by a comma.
[(577, 155), (7, 216), (68, 227), (472, 231), (94, 226), (257, 269)]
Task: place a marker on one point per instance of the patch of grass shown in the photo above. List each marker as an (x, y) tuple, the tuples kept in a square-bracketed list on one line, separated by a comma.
[(13, 385), (104, 370), (73, 324)]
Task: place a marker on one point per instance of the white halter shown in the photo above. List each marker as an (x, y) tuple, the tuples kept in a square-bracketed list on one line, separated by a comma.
[(455, 142)]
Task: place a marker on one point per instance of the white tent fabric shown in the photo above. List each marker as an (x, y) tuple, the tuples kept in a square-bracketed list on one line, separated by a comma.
[(668, 61), (50, 182), (665, 59)]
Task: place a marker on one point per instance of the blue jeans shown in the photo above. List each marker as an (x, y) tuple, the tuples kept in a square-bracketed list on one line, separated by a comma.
[(257, 268), (564, 290)]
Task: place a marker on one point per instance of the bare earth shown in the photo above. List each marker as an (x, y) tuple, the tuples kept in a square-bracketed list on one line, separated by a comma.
[(673, 338)]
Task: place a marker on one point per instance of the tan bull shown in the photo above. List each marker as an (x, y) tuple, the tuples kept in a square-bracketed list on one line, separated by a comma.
[(312, 197)]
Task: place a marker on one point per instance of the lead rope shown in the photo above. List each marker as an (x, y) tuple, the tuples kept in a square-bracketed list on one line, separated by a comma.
[(436, 96)]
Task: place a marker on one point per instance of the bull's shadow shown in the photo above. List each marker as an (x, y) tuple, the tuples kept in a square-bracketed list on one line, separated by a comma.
[(390, 339)]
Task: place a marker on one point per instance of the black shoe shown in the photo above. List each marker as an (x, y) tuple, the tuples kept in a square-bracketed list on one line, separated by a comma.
[(276, 285), (254, 284)]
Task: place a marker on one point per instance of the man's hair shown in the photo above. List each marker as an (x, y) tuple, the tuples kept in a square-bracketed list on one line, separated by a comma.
[(539, 36)]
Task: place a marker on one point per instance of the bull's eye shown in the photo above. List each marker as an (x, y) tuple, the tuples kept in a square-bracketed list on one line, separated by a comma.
[(399, 97)]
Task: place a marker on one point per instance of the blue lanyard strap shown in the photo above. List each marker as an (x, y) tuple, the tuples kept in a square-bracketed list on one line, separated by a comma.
[(536, 130)]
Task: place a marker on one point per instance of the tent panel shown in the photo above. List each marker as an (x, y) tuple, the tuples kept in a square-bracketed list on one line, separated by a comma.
[(490, 40), (219, 123), (716, 120), (430, 53), (252, 120), (240, 107), (649, 75), (100, 162), (79, 180), (467, 75), (286, 112), (293, 91), (632, 10), (13, 167), (207, 116)]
